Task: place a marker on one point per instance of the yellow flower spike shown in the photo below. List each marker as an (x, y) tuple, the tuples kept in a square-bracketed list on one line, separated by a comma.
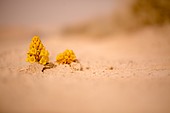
[(37, 52), (66, 57)]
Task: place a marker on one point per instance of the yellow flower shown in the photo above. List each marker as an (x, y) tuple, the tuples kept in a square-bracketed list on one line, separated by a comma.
[(66, 57), (28, 57), (44, 60), (35, 38), (44, 53), (37, 52), (33, 51), (40, 46), (31, 59)]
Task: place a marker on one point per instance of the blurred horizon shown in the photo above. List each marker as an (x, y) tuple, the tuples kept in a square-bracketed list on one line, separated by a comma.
[(21, 18), (53, 13)]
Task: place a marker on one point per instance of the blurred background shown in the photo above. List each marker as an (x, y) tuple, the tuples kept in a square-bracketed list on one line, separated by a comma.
[(123, 46), (94, 18)]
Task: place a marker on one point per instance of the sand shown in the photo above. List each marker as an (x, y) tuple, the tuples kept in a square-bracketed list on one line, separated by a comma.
[(125, 73)]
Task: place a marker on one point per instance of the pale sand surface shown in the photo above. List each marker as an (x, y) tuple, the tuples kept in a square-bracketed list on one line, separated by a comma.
[(128, 73)]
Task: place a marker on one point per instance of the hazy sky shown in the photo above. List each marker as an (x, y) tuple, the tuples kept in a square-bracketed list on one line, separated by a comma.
[(51, 12)]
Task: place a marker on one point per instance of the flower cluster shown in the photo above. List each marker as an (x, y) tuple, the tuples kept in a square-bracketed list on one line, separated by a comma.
[(66, 57), (37, 52)]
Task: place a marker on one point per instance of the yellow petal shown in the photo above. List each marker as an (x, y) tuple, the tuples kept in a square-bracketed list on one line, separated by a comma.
[(35, 38), (32, 59), (40, 46), (44, 53), (43, 60), (33, 51)]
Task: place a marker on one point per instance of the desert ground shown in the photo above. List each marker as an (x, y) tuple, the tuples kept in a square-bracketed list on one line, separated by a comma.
[(123, 73)]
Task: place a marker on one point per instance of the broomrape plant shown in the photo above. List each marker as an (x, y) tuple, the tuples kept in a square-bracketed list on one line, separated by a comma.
[(66, 57), (37, 52)]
